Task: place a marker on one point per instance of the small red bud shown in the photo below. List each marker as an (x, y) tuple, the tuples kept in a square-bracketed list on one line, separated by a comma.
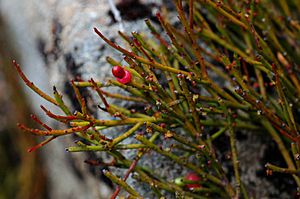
[(269, 172), (256, 85), (126, 78), (118, 71), (192, 177), (162, 125), (122, 75)]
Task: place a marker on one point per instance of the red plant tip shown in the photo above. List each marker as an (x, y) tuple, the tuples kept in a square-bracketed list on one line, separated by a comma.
[(192, 177), (34, 148), (158, 14), (118, 71), (122, 75), (96, 29)]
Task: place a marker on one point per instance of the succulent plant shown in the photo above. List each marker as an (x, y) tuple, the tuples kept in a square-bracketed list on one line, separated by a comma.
[(224, 66)]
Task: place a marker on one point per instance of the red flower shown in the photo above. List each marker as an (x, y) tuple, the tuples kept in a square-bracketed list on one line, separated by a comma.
[(122, 75), (192, 177)]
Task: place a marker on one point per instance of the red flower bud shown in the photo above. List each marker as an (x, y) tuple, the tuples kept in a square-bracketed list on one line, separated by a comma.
[(192, 177), (122, 75), (118, 71)]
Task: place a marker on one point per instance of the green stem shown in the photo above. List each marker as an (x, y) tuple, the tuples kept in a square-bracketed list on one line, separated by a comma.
[(125, 135), (282, 170), (284, 152), (235, 160), (122, 184), (104, 148)]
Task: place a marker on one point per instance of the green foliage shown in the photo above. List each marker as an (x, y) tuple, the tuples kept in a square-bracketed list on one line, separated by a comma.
[(229, 65)]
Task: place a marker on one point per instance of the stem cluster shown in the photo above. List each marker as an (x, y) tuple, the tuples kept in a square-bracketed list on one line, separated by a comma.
[(248, 45)]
